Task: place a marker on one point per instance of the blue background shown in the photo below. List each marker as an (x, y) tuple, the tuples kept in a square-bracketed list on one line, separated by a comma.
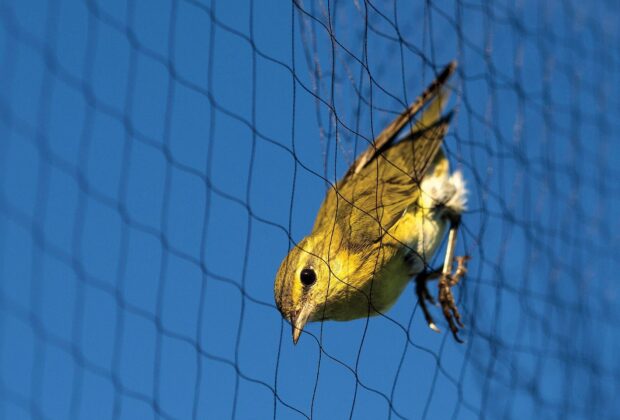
[(158, 158)]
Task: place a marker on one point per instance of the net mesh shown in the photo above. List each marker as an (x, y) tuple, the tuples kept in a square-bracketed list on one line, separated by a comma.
[(157, 162)]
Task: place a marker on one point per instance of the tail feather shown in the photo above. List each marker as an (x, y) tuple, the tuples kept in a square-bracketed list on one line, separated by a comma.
[(389, 134)]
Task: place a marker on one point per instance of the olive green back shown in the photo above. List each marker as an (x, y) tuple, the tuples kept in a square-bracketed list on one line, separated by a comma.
[(364, 205)]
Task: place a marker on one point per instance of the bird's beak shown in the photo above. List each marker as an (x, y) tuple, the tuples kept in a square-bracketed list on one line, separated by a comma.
[(300, 320)]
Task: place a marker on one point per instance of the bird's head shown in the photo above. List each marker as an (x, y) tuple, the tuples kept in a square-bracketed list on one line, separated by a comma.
[(306, 289)]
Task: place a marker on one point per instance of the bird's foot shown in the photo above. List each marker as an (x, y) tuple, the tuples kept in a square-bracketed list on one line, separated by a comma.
[(446, 298)]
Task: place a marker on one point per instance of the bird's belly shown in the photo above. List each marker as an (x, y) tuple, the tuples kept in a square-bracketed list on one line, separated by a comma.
[(431, 232), (409, 261), (414, 240), (422, 232), (388, 282), (383, 287)]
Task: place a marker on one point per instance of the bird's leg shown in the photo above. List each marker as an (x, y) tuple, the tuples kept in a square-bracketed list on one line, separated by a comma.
[(447, 280)]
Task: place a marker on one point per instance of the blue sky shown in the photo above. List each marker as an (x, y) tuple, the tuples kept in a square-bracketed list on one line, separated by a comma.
[(157, 160)]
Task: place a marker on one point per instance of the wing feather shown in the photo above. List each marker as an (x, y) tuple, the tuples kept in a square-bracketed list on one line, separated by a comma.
[(367, 204), (384, 180)]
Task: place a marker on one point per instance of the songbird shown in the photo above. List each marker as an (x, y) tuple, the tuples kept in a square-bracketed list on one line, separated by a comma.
[(380, 225)]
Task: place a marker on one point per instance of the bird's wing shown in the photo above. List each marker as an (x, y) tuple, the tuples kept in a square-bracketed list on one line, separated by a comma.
[(364, 205)]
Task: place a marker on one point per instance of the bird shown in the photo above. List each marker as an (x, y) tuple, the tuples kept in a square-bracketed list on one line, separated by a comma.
[(380, 225)]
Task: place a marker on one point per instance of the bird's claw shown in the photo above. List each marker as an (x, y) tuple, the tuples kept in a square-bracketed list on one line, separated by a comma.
[(445, 298), (424, 296)]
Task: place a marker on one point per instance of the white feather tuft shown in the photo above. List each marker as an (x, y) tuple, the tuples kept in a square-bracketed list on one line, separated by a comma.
[(448, 192), (458, 201)]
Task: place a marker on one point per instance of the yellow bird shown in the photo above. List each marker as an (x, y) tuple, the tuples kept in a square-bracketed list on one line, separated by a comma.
[(379, 226)]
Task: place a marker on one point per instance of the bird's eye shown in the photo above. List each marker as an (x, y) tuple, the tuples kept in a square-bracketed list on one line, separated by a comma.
[(307, 276)]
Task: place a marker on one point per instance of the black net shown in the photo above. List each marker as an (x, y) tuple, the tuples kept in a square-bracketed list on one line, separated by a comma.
[(158, 160)]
